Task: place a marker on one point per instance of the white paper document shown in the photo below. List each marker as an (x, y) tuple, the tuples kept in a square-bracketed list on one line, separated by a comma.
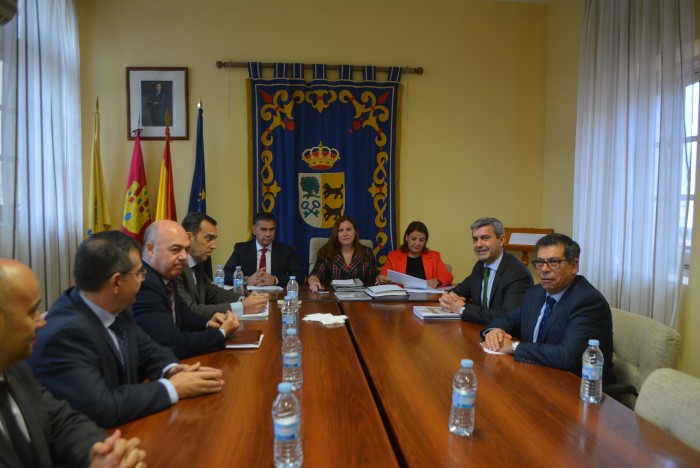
[(411, 283), (262, 315), (264, 288)]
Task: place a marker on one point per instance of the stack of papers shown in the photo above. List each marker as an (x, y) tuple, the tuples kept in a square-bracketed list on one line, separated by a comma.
[(245, 339), (262, 315), (352, 296), (386, 290), (411, 283), (264, 288), (348, 285), (428, 312)]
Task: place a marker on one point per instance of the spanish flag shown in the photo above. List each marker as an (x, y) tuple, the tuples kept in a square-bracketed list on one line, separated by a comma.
[(98, 209), (137, 212), (166, 197)]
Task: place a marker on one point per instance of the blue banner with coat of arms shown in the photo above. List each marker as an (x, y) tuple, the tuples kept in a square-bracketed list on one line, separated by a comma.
[(321, 149)]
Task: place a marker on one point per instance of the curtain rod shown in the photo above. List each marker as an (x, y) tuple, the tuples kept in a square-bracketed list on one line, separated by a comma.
[(219, 64)]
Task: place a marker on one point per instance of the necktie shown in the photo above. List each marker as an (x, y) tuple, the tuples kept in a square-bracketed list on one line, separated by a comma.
[(171, 294), (263, 258), (485, 288), (22, 446), (545, 317), (119, 331)]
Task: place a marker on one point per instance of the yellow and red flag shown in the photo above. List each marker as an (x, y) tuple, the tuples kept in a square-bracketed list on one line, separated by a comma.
[(137, 212), (98, 206), (166, 196)]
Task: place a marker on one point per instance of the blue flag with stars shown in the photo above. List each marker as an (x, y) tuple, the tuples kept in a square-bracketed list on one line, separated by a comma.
[(198, 193)]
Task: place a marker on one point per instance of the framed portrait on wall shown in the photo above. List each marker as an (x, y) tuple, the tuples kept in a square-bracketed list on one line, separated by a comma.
[(156, 97)]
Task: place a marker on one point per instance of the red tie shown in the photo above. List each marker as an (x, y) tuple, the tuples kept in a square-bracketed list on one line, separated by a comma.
[(263, 258)]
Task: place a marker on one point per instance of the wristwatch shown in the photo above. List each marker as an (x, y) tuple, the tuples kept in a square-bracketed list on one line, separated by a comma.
[(514, 346)]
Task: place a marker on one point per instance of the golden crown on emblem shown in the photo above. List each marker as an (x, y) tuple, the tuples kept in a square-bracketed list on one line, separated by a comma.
[(320, 157)]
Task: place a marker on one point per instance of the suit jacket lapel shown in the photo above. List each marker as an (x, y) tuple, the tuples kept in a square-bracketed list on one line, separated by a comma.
[(85, 310), (202, 282), (31, 420)]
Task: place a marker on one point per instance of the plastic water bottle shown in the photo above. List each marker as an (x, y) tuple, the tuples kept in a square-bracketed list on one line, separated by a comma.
[(293, 288), (463, 400), (238, 280), (592, 373), (286, 416), (289, 319), (291, 359), (219, 276)]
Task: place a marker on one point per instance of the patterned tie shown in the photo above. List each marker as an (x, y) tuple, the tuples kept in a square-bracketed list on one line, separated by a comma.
[(22, 446), (545, 317), (485, 288), (263, 259), (171, 294), (119, 331)]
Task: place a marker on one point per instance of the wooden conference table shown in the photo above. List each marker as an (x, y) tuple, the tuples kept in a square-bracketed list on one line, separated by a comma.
[(377, 393)]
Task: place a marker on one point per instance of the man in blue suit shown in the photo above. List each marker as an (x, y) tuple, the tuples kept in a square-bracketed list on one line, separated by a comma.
[(264, 261), (556, 319), (37, 429), (161, 312), (92, 354)]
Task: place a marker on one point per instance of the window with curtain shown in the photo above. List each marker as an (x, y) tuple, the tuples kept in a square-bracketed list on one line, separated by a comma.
[(40, 147), (692, 117), (635, 151)]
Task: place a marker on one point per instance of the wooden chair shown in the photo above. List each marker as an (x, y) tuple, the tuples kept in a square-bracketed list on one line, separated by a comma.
[(524, 240)]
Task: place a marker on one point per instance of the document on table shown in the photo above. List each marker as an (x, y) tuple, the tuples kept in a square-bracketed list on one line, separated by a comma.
[(411, 283), (265, 288), (262, 315), (245, 339)]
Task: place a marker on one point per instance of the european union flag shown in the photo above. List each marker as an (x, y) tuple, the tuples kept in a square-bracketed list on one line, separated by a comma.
[(198, 193)]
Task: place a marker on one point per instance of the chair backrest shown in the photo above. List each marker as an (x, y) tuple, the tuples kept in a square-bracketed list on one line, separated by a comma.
[(671, 400), (640, 346), (317, 242)]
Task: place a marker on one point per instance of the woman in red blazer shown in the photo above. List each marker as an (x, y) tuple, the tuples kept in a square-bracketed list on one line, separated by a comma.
[(415, 259)]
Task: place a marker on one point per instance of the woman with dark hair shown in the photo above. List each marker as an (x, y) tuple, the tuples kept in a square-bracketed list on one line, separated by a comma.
[(415, 259), (343, 257)]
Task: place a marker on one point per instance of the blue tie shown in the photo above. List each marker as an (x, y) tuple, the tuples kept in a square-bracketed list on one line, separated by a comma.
[(117, 328), (545, 317)]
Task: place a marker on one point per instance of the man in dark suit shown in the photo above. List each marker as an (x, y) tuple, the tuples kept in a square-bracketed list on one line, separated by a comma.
[(35, 428), (93, 354), (497, 282), (160, 311), (558, 316), (264, 262), (194, 284)]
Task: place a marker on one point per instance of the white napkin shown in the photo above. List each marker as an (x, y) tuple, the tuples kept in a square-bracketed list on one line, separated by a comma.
[(326, 319)]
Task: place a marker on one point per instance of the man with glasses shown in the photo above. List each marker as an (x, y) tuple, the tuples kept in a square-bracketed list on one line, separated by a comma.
[(91, 352), (557, 317), (497, 282)]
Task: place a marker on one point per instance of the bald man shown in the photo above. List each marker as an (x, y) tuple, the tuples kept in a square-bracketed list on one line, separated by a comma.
[(38, 430), (160, 310)]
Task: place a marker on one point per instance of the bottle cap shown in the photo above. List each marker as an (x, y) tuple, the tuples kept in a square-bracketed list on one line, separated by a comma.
[(592, 342), (291, 331), (218, 266), (468, 363), (292, 277), (284, 387), (287, 298)]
